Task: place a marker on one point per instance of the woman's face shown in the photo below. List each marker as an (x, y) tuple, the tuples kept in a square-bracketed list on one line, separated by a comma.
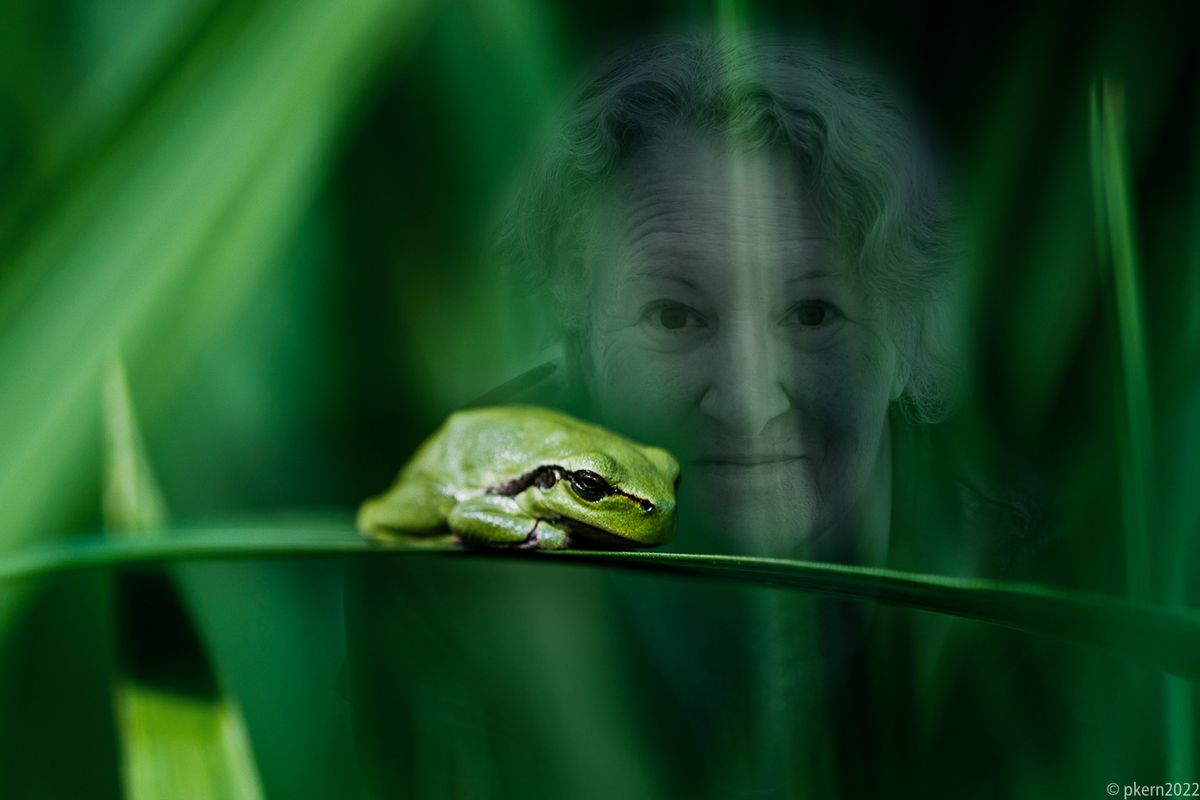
[(724, 325)]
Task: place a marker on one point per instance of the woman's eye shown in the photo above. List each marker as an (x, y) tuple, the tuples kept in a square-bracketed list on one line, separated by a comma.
[(812, 313), (674, 317)]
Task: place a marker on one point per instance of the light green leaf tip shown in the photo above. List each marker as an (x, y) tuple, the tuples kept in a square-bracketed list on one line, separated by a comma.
[(180, 735), (132, 500)]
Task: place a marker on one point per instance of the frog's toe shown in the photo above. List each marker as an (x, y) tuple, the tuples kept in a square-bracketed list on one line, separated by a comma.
[(546, 536)]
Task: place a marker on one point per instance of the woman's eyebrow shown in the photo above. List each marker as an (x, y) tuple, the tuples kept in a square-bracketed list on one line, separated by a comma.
[(664, 276)]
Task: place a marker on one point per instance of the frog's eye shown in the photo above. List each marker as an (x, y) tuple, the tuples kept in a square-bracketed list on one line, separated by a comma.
[(588, 485)]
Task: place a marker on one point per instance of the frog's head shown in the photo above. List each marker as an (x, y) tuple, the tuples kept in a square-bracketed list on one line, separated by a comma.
[(624, 499)]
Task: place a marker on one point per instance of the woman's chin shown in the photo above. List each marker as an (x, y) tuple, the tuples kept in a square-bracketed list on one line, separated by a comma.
[(763, 525)]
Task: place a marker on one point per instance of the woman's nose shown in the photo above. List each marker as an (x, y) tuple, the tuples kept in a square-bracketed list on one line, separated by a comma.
[(746, 389)]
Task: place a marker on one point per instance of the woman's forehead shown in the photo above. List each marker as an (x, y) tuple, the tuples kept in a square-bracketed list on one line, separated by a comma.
[(691, 206)]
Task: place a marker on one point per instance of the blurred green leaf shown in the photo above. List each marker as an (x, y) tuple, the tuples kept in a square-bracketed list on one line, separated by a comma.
[(1119, 254), (202, 182), (181, 735), (1135, 434)]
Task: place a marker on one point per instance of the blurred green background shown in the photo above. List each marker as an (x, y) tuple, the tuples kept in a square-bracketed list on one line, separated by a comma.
[(279, 214)]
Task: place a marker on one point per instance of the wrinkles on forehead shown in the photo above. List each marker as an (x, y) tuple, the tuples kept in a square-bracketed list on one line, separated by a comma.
[(689, 209)]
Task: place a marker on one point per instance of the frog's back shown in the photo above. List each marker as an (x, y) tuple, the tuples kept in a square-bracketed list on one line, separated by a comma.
[(479, 447)]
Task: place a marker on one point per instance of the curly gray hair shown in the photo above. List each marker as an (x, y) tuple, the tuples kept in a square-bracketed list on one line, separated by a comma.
[(860, 151)]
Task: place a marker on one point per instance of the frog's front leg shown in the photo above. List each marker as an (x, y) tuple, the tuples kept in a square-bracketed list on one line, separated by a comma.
[(496, 520), (413, 509)]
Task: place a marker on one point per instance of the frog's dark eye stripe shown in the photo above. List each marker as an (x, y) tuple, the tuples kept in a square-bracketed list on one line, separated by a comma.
[(542, 477), (586, 484), (591, 487), (646, 505)]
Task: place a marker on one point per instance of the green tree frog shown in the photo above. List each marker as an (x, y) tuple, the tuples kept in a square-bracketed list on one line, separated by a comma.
[(524, 476)]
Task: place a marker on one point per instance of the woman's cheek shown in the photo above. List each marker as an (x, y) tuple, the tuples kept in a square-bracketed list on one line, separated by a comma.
[(850, 408), (640, 389)]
